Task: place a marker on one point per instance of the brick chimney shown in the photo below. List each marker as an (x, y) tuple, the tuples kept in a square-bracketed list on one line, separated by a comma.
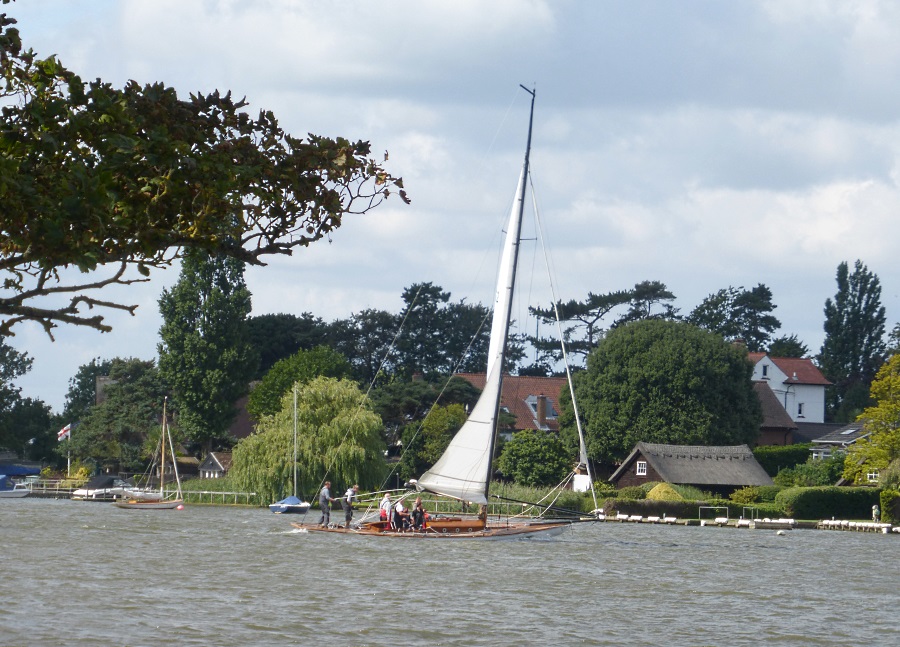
[(542, 411)]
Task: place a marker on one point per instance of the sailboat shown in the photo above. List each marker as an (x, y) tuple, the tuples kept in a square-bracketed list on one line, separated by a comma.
[(292, 504), (463, 472), (153, 500)]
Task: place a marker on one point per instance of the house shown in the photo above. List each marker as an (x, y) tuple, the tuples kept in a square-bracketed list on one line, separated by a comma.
[(717, 469), (839, 439), (532, 401), (215, 465), (797, 383), (777, 428)]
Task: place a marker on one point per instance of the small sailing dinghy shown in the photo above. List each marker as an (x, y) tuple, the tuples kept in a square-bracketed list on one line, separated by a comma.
[(292, 504), (158, 500), (463, 472)]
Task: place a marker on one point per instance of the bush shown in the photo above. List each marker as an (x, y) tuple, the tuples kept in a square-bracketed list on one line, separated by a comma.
[(664, 492), (890, 506), (632, 492), (889, 477), (745, 495), (814, 472), (691, 493), (827, 502), (774, 458), (756, 494)]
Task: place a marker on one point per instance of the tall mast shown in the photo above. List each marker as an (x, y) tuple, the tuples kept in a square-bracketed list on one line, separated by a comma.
[(162, 455), (295, 441), (523, 181)]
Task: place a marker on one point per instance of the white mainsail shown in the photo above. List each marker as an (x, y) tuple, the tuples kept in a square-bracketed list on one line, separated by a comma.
[(464, 470)]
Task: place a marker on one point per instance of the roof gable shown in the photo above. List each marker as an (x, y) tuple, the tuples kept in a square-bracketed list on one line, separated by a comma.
[(797, 370), (696, 465), (774, 415), (520, 397)]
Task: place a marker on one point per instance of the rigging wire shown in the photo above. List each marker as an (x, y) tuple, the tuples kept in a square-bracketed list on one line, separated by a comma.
[(583, 457)]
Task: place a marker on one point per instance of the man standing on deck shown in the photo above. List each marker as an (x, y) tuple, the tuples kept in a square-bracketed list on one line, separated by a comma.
[(347, 504), (325, 504)]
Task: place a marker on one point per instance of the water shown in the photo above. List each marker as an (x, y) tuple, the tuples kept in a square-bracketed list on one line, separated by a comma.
[(79, 573)]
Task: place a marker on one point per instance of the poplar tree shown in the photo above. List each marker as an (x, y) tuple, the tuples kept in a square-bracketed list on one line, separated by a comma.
[(854, 347), (205, 353)]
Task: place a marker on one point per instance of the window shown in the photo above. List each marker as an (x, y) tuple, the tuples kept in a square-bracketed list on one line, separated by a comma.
[(872, 476), (799, 409), (765, 371), (641, 468)]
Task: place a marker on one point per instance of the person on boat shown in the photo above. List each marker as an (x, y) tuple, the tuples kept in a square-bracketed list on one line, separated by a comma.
[(401, 517), (385, 507), (347, 503), (418, 515), (325, 504)]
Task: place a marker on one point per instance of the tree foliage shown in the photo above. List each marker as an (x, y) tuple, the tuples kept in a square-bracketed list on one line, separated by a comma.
[(277, 336), (82, 393), (366, 340), (788, 346), (440, 337), (535, 458), (204, 353), (94, 177), (582, 324), (13, 365), (339, 438), (425, 441), (403, 404), (882, 446), (813, 473), (854, 347), (121, 432), (738, 314), (665, 382), (649, 300), (301, 367)]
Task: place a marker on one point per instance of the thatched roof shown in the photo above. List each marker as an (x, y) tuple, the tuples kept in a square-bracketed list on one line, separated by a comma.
[(695, 465)]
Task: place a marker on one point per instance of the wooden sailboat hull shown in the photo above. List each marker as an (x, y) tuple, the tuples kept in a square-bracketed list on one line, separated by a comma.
[(462, 531), (134, 504)]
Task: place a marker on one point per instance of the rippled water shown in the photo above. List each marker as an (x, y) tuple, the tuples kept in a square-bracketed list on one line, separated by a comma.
[(79, 573)]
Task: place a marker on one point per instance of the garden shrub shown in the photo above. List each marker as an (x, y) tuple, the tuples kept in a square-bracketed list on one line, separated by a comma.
[(745, 495), (827, 502), (890, 506), (691, 493), (664, 492), (649, 485), (632, 492)]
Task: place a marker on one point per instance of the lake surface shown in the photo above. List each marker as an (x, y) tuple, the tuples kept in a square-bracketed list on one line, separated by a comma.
[(80, 573)]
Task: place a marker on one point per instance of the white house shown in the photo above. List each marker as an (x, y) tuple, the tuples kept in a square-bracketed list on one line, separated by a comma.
[(797, 383)]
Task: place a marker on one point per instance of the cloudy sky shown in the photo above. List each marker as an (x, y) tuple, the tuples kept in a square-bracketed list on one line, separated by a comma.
[(701, 144)]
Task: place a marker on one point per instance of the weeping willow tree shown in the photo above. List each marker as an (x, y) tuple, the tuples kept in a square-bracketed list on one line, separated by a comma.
[(338, 438)]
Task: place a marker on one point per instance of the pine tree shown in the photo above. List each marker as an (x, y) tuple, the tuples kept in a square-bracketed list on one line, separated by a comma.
[(854, 346)]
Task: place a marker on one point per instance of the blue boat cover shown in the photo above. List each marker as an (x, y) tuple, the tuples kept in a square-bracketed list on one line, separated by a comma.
[(10, 469), (291, 500)]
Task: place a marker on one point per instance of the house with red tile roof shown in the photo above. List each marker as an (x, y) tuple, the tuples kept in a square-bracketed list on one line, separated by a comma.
[(532, 401), (797, 383)]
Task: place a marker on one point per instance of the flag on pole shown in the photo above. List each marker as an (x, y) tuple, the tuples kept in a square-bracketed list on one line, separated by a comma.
[(64, 433)]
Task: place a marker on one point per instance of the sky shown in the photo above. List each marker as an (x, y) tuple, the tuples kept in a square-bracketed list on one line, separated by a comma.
[(705, 144)]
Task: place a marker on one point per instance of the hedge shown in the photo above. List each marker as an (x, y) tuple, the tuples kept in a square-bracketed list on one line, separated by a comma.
[(828, 502), (890, 506), (774, 458), (687, 509)]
